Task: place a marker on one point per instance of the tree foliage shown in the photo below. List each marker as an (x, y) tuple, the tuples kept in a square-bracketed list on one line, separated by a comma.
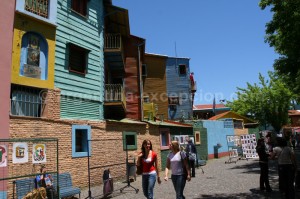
[(267, 102), (283, 33)]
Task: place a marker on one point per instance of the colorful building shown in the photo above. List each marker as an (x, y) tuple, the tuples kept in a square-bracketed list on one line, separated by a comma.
[(179, 89), (79, 61), (155, 87)]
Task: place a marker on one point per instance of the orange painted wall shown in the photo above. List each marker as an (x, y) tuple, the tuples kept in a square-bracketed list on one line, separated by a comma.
[(155, 85)]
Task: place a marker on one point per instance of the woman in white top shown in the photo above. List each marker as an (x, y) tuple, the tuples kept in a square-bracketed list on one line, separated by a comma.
[(177, 161), (286, 167)]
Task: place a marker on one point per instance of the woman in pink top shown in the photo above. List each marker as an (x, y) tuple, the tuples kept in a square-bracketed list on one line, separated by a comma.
[(148, 158)]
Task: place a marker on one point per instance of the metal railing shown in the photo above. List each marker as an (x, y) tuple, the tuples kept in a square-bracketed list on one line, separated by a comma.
[(113, 41), (38, 7), (27, 101), (114, 93)]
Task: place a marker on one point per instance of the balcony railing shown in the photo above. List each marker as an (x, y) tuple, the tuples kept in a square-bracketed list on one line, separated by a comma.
[(114, 93), (38, 7), (113, 42)]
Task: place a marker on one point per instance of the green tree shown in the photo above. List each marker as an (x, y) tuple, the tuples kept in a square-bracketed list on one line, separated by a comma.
[(267, 102), (283, 33)]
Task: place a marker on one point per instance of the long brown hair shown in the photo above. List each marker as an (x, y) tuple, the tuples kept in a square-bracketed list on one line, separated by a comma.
[(143, 148)]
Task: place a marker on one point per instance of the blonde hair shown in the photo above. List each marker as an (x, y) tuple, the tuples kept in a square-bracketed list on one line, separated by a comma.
[(175, 145)]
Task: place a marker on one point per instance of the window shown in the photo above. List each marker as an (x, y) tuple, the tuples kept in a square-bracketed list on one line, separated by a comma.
[(34, 56), (77, 59), (173, 100), (144, 70), (79, 6), (182, 69), (197, 137), (27, 101), (81, 134), (129, 139), (164, 138), (238, 124), (38, 7), (228, 123)]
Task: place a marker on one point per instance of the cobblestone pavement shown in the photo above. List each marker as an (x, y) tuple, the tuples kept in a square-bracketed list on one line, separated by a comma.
[(238, 180)]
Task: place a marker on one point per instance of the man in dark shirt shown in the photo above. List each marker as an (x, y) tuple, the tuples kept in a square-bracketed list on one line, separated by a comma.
[(264, 167)]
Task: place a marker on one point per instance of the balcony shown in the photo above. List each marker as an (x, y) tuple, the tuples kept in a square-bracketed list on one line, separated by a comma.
[(114, 101), (114, 53), (150, 110)]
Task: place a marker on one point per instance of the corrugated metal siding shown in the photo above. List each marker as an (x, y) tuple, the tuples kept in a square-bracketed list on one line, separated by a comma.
[(131, 89), (74, 108), (86, 33), (155, 83), (179, 85)]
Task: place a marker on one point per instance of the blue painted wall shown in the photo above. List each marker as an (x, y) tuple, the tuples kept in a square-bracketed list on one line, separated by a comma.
[(216, 133), (86, 32), (179, 85)]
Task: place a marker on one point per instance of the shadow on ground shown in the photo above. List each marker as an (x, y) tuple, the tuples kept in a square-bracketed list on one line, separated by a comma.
[(255, 194)]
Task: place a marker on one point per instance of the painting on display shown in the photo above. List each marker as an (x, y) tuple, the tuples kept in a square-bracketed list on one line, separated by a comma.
[(249, 146), (20, 152), (3, 156), (39, 153)]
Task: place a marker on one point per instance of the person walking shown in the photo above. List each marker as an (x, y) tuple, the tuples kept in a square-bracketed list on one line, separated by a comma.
[(178, 162), (191, 153), (148, 159), (264, 166), (286, 167)]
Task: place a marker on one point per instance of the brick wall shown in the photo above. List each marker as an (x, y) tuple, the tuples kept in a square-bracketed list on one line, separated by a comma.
[(106, 144)]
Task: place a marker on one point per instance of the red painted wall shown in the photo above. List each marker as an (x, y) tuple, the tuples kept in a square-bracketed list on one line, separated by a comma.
[(131, 79), (7, 11)]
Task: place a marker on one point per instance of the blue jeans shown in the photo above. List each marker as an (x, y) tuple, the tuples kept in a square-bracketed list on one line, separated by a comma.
[(179, 184), (148, 182)]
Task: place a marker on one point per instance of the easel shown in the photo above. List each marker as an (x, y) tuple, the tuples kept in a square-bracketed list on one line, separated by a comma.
[(127, 171)]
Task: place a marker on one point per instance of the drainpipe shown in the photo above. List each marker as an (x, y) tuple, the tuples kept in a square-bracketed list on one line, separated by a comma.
[(140, 80)]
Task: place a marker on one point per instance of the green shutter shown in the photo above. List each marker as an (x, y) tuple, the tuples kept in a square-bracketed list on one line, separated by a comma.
[(77, 108)]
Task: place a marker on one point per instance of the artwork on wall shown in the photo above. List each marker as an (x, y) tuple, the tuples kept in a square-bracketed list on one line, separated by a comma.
[(177, 138), (39, 153), (3, 156), (249, 145), (20, 152)]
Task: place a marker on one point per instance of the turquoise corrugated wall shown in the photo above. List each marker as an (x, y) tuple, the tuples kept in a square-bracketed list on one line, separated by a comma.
[(86, 33), (179, 85), (216, 133)]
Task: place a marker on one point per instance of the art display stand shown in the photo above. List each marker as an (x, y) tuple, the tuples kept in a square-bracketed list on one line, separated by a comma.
[(127, 172)]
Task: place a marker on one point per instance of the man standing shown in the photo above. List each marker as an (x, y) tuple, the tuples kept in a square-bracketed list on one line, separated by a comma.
[(191, 152)]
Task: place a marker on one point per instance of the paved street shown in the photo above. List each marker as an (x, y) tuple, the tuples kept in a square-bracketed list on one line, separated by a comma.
[(235, 180)]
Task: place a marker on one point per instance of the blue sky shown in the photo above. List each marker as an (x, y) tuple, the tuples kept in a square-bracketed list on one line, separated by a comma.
[(223, 38)]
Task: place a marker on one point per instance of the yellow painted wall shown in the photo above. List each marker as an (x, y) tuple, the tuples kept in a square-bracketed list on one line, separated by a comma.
[(24, 24)]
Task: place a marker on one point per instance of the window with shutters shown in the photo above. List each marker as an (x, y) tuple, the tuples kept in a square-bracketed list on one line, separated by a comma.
[(79, 6), (78, 59)]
